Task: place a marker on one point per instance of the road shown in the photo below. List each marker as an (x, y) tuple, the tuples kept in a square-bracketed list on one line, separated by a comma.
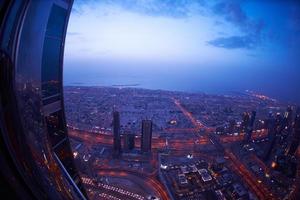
[(141, 178), (183, 145), (238, 167), (157, 143), (259, 189)]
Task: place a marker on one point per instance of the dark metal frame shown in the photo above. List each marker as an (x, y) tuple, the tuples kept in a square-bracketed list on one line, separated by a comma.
[(30, 166)]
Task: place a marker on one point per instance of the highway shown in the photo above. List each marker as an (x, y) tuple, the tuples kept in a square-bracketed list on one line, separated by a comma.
[(157, 143), (237, 166), (148, 182), (259, 189)]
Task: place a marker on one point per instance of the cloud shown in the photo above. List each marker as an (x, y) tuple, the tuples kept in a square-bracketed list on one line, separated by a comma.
[(234, 42), (233, 13), (170, 8), (73, 33), (293, 26)]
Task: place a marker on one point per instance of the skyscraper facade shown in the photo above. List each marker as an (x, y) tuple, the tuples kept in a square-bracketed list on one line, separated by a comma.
[(296, 137), (245, 122), (146, 136), (117, 136), (249, 129), (129, 141)]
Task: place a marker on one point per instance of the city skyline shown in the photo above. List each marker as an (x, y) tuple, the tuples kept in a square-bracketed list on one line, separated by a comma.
[(241, 146)]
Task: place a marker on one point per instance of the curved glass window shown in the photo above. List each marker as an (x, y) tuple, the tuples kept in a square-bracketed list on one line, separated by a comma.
[(52, 55)]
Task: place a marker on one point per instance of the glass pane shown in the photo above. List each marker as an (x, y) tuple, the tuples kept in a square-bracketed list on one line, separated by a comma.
[(63, 152), (56, 21), (10, 23), (56, 128), (50, 67)]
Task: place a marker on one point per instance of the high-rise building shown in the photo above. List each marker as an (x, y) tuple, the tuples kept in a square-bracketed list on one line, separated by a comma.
[(117, 136), (86, 162), (272, 138), (288, 116), (279, 123), (231, 126), (287, 121), (129, 141), (249, 129), (146, 136), (279, 128), (245, 123), (296, 137)]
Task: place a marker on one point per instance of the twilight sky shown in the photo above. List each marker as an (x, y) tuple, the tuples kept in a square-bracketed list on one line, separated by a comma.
[(191, 45)]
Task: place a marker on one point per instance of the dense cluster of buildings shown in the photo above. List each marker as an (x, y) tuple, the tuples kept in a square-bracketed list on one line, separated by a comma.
[(241, 146), (87, 108), (200, 178)]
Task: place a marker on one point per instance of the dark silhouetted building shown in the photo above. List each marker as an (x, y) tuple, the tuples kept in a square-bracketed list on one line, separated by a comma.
[(129, 141), (117, 136), (296, 137), (288, 117), (146, 136), (287, 165), (245, 122), (249, 129), (231, 126), (272, 137)]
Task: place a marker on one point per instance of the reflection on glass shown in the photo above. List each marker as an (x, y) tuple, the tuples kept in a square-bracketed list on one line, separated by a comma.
[(56, 128), (52, 53), (65, 156), (56, 22)]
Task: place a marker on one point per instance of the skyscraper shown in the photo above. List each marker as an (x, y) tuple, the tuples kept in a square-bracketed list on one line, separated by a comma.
[(296, 137), (129, 141), (272, 138), (146, 136), (245, 123), (249, 129), (288, 117), (117, 137)]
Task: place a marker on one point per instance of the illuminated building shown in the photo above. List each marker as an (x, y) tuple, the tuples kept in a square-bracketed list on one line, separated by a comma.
[(116, 132), (278, 129), (146, 136)]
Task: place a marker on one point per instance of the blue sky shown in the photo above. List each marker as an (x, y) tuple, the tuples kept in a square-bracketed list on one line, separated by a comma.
[(212, 45)]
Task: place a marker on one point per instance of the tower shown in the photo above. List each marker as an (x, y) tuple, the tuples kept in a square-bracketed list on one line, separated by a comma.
[(272, 138), (249, 129), (296, 137), (245, 123), (146, 136), (129, 141), (288, 117), (116, 132)]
